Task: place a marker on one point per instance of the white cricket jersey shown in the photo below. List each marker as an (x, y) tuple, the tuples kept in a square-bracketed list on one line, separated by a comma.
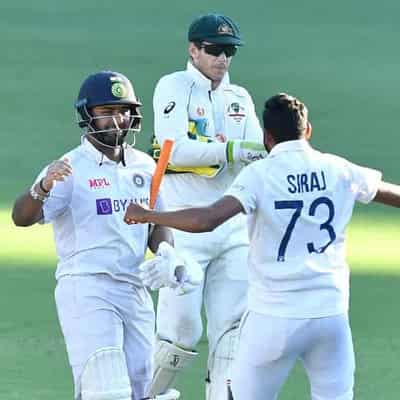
[(186, 97), (299, 203), (87, 212)]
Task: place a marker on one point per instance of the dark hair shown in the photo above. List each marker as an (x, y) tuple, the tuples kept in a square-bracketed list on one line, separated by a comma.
[(285, 117)]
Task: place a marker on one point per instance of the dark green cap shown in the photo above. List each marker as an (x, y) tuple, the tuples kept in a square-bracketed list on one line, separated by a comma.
[(214, 28)]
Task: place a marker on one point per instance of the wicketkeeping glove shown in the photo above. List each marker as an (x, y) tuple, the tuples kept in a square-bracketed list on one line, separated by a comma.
[(170, 269), (245, 152)]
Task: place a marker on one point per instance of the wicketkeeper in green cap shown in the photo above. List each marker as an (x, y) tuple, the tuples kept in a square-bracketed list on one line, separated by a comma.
[(216, 133)]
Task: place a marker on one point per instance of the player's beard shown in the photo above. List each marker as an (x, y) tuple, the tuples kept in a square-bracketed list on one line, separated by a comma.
[(111, 139)]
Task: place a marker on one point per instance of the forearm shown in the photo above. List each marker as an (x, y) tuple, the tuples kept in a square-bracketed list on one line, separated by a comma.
[(190, 153), (388, 194), (199, 219), (189, 220), (27, 211)]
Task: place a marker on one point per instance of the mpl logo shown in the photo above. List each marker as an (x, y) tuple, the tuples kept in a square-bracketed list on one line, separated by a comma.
[(98, 183)]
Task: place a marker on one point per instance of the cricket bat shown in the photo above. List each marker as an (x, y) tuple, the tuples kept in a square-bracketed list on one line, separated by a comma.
[(159, 172)]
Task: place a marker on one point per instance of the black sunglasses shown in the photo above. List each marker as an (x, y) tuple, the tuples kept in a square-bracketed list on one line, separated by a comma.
[(217, 49)]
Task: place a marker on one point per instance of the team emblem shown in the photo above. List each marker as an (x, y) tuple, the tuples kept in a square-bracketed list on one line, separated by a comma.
[(236, 111), (170, 106), (138, 180), (235, 107), (119, 90), (225, 29)]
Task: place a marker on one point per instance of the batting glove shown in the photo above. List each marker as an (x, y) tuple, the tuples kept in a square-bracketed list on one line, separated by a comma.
[(245, 152), (168, 269)]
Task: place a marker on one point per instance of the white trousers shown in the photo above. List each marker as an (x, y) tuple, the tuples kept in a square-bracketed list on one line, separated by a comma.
[(223, 256), (269, 347), (96, 311)]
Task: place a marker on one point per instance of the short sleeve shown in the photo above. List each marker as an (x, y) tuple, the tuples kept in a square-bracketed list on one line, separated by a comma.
[(246, 188), (59, 199), (364, 182)]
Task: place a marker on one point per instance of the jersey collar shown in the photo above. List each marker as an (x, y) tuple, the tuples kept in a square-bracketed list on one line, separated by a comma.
[(291, 145), (202, 80), (95, 154)]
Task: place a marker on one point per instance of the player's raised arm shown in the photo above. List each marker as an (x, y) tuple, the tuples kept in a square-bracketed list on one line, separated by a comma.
[(197, 219), (28, 208), (389, 194)]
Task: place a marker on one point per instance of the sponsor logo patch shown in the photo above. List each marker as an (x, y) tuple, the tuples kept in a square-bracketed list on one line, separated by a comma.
[(108, 206), (200, 111), (98, 183), (104, 206), (170, 106), (174, 360)]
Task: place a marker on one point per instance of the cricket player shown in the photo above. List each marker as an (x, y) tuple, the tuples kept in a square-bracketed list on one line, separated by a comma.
[(105, 312), (299, 202), (216, 133)]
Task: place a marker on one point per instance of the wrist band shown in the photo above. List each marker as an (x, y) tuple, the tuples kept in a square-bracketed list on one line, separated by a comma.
[(37, 196), (42, 187)]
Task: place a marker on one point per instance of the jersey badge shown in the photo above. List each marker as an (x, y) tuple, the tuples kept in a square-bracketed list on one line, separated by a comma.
[(138, 180), (236, 111), (200, 111)]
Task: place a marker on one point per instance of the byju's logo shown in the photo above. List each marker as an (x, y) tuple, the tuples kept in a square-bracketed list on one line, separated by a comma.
[(107, 206), (104, 206)]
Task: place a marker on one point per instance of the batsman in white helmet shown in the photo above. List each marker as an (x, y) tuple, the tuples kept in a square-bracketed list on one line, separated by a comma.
[(105, 312), (216, 133)]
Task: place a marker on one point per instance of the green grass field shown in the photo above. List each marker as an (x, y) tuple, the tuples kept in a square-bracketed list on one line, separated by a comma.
[(339, 57)]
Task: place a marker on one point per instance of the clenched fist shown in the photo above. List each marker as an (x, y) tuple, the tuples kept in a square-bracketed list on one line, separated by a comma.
[(57, 171), (135, 214)]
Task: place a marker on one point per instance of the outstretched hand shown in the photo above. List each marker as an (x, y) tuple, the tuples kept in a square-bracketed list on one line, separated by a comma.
[(135, 214)]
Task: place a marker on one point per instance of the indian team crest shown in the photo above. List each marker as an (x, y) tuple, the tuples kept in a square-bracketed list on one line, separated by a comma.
[(138, 180), (118, 89)]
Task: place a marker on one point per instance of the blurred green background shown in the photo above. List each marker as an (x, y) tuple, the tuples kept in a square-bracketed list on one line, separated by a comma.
[(339, 57)]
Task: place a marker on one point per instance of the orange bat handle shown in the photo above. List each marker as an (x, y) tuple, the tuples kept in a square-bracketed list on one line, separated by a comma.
[(161, 167)]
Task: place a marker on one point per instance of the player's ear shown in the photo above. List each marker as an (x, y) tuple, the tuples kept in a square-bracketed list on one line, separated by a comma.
[(308, 130), (192, 50), (269, 141)]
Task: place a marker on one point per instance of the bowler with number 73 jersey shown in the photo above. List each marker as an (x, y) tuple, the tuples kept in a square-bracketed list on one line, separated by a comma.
[(299, 202)]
